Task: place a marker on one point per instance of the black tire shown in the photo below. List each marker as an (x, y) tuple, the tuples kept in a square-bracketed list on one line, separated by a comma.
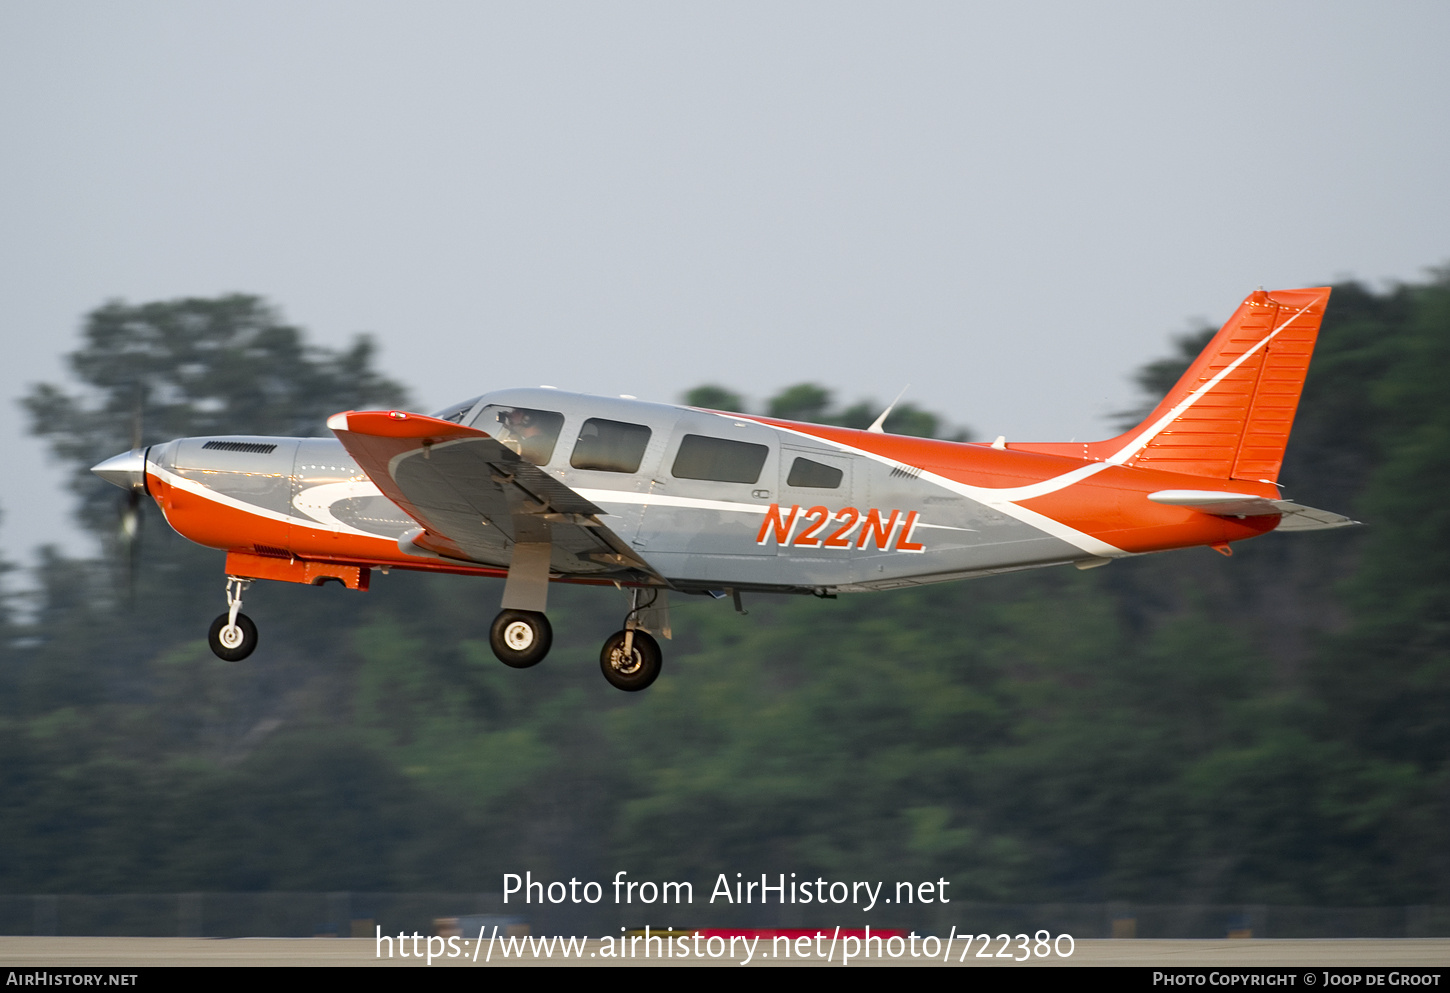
[(638, 671), (232, 645), (520, 638)]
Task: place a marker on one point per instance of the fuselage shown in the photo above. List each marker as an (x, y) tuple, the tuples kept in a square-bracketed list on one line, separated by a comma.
[(710, 500)]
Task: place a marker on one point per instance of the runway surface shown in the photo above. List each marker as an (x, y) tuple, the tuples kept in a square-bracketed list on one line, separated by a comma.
[(17, 952)]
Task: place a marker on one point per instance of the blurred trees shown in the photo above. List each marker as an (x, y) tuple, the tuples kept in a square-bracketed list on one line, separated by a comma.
[(714, 398), (178, 368), (115, 718), (814, 404), (1388, 674), (1176, 728)]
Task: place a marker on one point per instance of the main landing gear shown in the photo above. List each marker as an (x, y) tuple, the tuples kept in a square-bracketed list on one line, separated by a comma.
[(520, 638), (630, 659), (233, 636)]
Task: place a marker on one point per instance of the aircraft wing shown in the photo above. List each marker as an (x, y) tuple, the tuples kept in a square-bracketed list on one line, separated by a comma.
[(474, 497), (1294, 517)]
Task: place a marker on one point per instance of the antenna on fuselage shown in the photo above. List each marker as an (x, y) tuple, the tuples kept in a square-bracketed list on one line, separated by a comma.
[(877, 425)]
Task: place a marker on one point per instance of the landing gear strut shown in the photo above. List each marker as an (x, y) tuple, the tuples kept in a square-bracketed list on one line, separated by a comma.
[(520, 638), (233, 636), (631, 658)]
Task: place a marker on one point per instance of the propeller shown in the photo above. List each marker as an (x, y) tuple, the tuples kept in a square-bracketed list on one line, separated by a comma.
[(131, 510), (128, 471)]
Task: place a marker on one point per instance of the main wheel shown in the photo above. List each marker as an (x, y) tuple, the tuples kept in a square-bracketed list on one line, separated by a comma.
[(520, 638), (232, 642), (635, 671)]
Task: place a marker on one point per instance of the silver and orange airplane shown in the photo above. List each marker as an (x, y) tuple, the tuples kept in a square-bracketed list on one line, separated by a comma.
[(538, 485)]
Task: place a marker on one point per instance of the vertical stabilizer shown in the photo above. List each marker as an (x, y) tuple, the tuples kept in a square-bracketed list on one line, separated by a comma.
[(1229, 416)]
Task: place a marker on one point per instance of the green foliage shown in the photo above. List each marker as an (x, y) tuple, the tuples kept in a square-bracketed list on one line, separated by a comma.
[(802, 402), (1390, 672), (1156, 378), (714, 398), (196, 366), (815, 404)]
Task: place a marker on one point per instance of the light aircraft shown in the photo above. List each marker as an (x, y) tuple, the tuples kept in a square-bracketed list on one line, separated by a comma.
[(539, 485)]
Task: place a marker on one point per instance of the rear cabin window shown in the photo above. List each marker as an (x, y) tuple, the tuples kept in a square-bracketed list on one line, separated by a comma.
[(531, 433), (719, 459), (813, 475), (610, 446)]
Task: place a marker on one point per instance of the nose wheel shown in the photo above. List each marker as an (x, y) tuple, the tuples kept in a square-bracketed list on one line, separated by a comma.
[(232, 640), (233, 636), (520, 638)]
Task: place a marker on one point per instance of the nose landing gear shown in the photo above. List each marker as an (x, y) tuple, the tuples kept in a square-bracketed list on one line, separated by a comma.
[(233, 636)]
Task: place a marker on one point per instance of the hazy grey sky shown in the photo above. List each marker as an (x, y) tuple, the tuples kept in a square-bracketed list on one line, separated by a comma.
[(1008, 206)]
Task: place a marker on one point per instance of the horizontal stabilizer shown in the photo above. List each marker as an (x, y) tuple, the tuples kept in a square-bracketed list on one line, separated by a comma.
[(1300, 518), (1294, 517), (1217, 502)]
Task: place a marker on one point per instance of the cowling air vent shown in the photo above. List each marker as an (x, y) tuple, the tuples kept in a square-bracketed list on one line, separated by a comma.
[(255, 447)]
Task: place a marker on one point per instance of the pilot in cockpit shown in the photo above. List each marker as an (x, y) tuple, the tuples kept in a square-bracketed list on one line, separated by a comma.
[(523, 433)]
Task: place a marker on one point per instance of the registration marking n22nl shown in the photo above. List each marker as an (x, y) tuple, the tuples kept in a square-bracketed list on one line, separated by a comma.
[(876, 528)]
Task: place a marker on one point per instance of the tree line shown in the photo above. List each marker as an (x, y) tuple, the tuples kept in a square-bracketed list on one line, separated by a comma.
[(1184, 728)]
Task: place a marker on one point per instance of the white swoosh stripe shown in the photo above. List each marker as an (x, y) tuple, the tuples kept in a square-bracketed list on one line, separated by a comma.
[(997, 498), (1137, 444), (207, 493), (697, 503), (664, 500), (316, 501)]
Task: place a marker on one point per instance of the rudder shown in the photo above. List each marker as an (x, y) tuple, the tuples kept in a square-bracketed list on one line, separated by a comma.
[(1230, 414)]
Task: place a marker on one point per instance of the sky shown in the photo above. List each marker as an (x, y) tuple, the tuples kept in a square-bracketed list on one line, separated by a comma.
[(1007, 207)]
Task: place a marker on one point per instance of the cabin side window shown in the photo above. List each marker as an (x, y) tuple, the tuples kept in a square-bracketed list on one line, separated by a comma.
[(610, 446), (530, 433), (813, 475), (719, 460)]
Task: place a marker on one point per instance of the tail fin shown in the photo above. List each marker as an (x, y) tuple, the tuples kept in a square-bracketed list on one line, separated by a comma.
[(1229, 416)]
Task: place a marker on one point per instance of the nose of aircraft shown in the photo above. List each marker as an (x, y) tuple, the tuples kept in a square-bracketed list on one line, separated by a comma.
[(127, 471)]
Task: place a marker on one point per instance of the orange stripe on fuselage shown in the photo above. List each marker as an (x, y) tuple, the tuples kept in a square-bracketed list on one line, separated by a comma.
[(1111, 505), (213, 524), (218, 525)]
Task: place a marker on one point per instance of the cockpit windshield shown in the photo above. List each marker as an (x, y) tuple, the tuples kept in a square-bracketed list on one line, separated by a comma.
[(456, 412), (529, 432)]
